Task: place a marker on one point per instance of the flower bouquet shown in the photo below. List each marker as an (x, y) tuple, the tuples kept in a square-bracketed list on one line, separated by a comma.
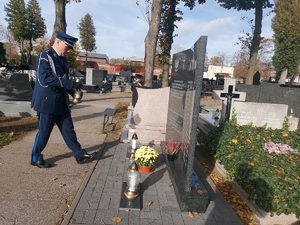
[(145, 156), (171, 147)]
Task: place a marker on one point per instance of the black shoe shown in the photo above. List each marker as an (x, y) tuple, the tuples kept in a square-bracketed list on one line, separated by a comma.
[(86, 158), (41, 164)]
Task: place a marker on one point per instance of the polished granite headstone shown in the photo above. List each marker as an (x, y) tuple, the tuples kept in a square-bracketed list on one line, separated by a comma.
[(184, 99), (15, 87), (15, 95)]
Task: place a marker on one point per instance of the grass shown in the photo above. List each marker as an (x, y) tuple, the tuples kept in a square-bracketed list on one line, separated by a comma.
[(5, 139)]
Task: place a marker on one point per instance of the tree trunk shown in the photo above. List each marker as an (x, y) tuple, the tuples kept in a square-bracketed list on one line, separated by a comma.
[(165, 80), (170, 31), (60, 23), (23, 57), (151, 42), (85, 64), (29, 57), (255, 42)]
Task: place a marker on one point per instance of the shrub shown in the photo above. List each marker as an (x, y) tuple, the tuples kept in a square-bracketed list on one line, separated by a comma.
[(271, 179)]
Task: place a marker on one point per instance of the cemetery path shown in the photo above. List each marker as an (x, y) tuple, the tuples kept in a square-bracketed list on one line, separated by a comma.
[(29, 195)]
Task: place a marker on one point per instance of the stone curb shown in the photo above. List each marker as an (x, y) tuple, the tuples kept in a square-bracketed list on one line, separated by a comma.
[(77, 198)]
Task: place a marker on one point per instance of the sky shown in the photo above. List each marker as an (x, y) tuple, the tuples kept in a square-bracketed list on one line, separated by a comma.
[(121, 28)]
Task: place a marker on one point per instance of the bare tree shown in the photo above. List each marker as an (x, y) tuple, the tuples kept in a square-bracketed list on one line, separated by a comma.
[(2, 30), (11, 47)]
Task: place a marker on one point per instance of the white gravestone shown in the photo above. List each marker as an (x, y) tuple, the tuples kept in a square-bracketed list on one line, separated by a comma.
[(149, 116), (260, 114)]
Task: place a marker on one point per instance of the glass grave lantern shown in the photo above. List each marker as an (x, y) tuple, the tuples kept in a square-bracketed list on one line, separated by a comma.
[(133, 181)]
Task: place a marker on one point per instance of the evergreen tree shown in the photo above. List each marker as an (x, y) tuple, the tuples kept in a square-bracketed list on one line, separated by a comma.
[(36, 24), (87, 33), (286, 26), (25, 24), (17, 23)]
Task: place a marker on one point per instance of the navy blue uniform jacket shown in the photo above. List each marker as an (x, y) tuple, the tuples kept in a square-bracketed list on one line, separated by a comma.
[(52, 84)]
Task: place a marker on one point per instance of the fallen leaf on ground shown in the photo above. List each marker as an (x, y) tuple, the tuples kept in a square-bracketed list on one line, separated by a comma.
[(116, 219), (60, 219), (191, 215), (63, 201), (148, 203), (62, 185)]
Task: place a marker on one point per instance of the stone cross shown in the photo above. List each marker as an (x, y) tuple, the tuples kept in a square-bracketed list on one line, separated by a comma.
[(229, 95)]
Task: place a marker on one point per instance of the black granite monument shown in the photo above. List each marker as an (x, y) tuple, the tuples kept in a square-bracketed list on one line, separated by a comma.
[(15, 87), (184, 106)]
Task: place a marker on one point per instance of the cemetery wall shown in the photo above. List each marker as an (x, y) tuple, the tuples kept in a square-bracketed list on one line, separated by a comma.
[(273, 93)]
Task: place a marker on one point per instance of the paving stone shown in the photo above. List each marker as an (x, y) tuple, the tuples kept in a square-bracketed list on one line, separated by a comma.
[(124, 215), (77, 216), (134, 217), (105, 216), (150, 221), (89, 216)]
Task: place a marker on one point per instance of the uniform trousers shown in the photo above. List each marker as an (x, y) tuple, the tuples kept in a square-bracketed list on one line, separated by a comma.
[(64, 123)]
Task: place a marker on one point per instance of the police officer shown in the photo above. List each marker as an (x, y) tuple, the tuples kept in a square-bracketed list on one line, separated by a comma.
[(50, 100)]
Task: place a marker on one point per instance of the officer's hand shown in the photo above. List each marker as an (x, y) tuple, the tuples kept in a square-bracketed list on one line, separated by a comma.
[(77, 84)]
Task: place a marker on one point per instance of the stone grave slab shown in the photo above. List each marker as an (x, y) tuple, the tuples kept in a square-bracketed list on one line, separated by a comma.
[(260, 114)]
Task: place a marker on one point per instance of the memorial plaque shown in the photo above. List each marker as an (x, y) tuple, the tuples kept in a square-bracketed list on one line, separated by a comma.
[(184, 99)]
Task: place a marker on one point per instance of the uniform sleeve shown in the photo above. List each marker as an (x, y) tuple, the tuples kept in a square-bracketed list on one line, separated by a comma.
[(46, 75)]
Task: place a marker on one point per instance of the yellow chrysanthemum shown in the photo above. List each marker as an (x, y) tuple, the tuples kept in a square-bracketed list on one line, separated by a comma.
[(234, 141), (145, 155)]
